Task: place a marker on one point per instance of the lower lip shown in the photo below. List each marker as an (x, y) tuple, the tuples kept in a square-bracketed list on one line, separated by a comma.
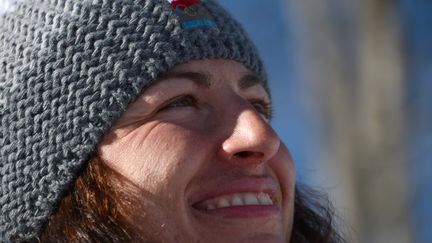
[(252, 211)]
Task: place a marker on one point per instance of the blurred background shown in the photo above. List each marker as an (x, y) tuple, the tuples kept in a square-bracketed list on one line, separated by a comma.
[(351, 81), (352, 87)]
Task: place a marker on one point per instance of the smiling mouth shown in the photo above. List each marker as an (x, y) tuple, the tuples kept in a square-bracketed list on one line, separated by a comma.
[(248, 197), (240, 205), (236, 200)]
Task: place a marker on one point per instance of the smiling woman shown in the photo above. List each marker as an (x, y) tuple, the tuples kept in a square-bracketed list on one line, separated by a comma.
[(131, 127)]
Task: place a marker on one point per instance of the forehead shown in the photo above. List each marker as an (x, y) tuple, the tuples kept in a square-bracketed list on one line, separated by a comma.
[(207, 72)]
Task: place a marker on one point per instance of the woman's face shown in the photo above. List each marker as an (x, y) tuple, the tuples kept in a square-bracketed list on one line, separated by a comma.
[(199, 146)]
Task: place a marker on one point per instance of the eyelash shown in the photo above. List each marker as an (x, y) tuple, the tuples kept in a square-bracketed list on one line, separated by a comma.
[(173, 103), (263, 107)]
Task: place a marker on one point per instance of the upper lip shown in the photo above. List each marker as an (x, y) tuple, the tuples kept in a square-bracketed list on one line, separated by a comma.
[(248, 184)]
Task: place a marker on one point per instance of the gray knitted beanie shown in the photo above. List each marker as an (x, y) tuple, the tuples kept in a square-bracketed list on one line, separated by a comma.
[(69, 68)]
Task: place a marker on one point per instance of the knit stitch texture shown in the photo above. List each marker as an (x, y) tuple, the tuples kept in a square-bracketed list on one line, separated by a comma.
[(68, 69)]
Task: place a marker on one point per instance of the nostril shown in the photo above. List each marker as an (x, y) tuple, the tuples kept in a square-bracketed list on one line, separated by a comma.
[(242, 154), (248, 154)]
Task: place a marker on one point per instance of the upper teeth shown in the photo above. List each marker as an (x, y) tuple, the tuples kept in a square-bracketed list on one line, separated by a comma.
[(238, 199)]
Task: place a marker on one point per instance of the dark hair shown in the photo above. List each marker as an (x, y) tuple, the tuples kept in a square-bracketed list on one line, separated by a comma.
[(96, 210), (314, 218)]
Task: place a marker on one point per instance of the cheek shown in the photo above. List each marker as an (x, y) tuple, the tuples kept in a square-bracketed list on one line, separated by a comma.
[(283, 167), (156, 159)]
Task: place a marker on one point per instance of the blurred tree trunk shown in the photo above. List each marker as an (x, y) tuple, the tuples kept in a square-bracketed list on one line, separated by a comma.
[(353, 68)]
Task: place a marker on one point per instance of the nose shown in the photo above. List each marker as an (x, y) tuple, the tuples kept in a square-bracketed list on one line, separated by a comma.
[(251, 141)]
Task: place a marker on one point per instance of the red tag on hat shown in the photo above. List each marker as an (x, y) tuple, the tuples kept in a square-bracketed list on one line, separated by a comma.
[(183, 3), (193, 14)]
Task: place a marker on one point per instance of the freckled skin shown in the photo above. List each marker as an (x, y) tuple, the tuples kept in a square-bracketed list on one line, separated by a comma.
[(172, 148)]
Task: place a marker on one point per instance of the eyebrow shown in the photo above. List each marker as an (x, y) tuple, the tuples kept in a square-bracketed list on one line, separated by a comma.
[(248, 81), (203, 80), (200, 79)]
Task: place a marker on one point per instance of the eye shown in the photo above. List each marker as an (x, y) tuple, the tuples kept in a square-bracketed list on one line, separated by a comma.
[(262, 107), (181, 101)]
